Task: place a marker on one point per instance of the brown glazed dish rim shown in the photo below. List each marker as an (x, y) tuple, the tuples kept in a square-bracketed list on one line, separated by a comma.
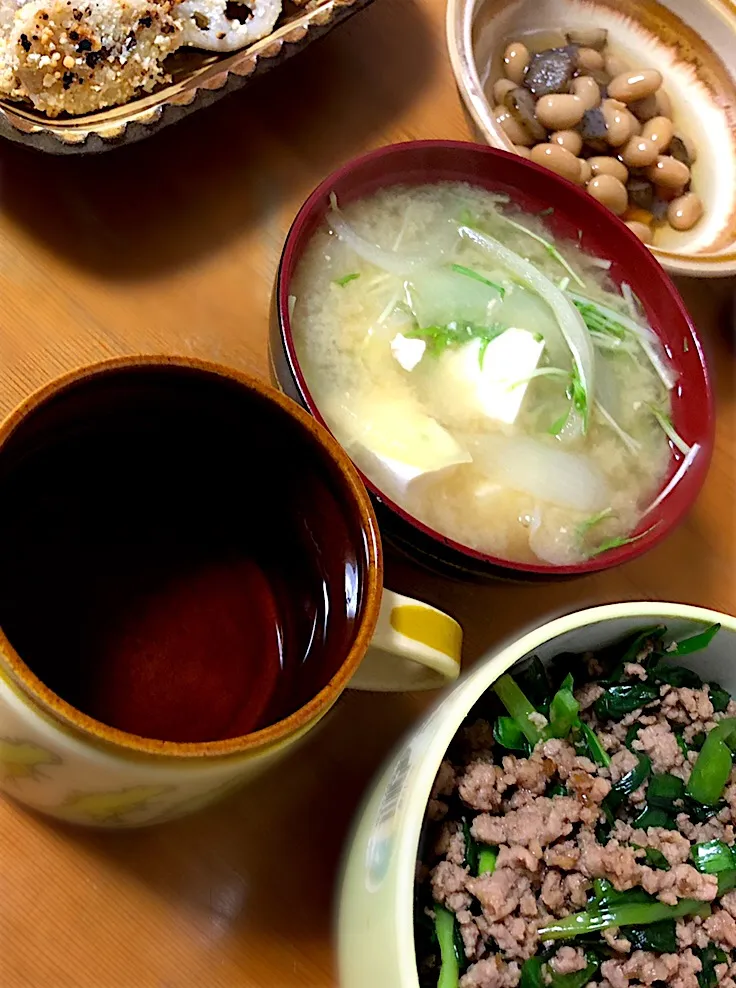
[(66, 715)]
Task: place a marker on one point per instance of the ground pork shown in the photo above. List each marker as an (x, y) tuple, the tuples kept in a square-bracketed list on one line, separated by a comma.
[(517, 799), (491, 973), (578, 771), (660, 744), (518, 857), (728, 902), (588, 788), (565, 758), (444, 785), (516, 937), (532, 774), (611, 742), (690, 731), (499, 893), (714, 829), (576, 888), (619, 864), (643, 967), (564, 855), (541, 822), (588, 694), (473, 942), (674, 846), (437, 810), (721, 927), (635, 717), (617, 942), (448, 886), (563, 894), (683, 705), (680, 882), (613, 861), (451, 843), (482, 785), (690, 932), (723, 978), (635, 670), (622, 763), (553, 892), (568, 960)]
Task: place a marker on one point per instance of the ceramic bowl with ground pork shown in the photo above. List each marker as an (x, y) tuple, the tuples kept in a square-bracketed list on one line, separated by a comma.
[(580, 830)]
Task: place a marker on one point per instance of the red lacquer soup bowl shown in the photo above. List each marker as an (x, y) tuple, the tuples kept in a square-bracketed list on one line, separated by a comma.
[(575, 214)]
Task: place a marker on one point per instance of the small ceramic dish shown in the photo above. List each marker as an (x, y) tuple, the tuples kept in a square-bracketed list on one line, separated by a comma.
[(375, 933), (199, 79), (691, 42), (574, 213)]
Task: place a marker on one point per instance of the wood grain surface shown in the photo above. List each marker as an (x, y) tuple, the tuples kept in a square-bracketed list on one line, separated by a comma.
[(172, 245)]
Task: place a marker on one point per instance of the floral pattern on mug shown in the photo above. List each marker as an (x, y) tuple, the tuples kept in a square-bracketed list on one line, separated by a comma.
[(21, 759), (111, 807)]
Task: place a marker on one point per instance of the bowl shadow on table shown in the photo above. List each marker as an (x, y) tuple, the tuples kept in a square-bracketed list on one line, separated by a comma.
[(166, 201), (268, 855), (719, 296), (702, 300)]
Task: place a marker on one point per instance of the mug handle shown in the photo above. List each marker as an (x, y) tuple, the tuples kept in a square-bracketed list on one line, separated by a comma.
[(414, 647)]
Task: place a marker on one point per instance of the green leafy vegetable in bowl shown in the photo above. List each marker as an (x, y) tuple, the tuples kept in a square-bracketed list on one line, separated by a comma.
[(592, 840)]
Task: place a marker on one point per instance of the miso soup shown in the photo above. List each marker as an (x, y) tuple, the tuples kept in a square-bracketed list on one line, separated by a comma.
[(491, 381)]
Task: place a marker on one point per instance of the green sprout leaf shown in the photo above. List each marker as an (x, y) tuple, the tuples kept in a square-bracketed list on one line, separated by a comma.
[(585, 526), (617, 542), (469, 273), (549, 247), (454, 334), (347, 278), (559, 424), (669, 430)]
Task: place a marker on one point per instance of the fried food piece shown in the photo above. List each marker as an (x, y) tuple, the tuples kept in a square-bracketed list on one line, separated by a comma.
[(7, 13), (7, 62), (217, 25), (78, 56)]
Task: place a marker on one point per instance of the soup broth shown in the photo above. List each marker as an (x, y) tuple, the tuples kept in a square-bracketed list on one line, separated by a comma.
[(490, 380)]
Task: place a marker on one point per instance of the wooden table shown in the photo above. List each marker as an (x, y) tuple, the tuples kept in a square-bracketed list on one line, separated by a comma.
[(172, 245)]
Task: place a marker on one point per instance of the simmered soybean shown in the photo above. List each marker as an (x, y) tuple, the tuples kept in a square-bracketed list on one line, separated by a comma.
[(613, 120)]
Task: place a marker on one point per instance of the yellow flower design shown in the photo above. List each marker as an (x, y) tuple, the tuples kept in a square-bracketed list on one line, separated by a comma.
[(199, 802), (109, 807), (21, 759)]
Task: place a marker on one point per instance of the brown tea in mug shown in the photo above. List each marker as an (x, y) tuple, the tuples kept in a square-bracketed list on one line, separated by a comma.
[(179, 559)]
